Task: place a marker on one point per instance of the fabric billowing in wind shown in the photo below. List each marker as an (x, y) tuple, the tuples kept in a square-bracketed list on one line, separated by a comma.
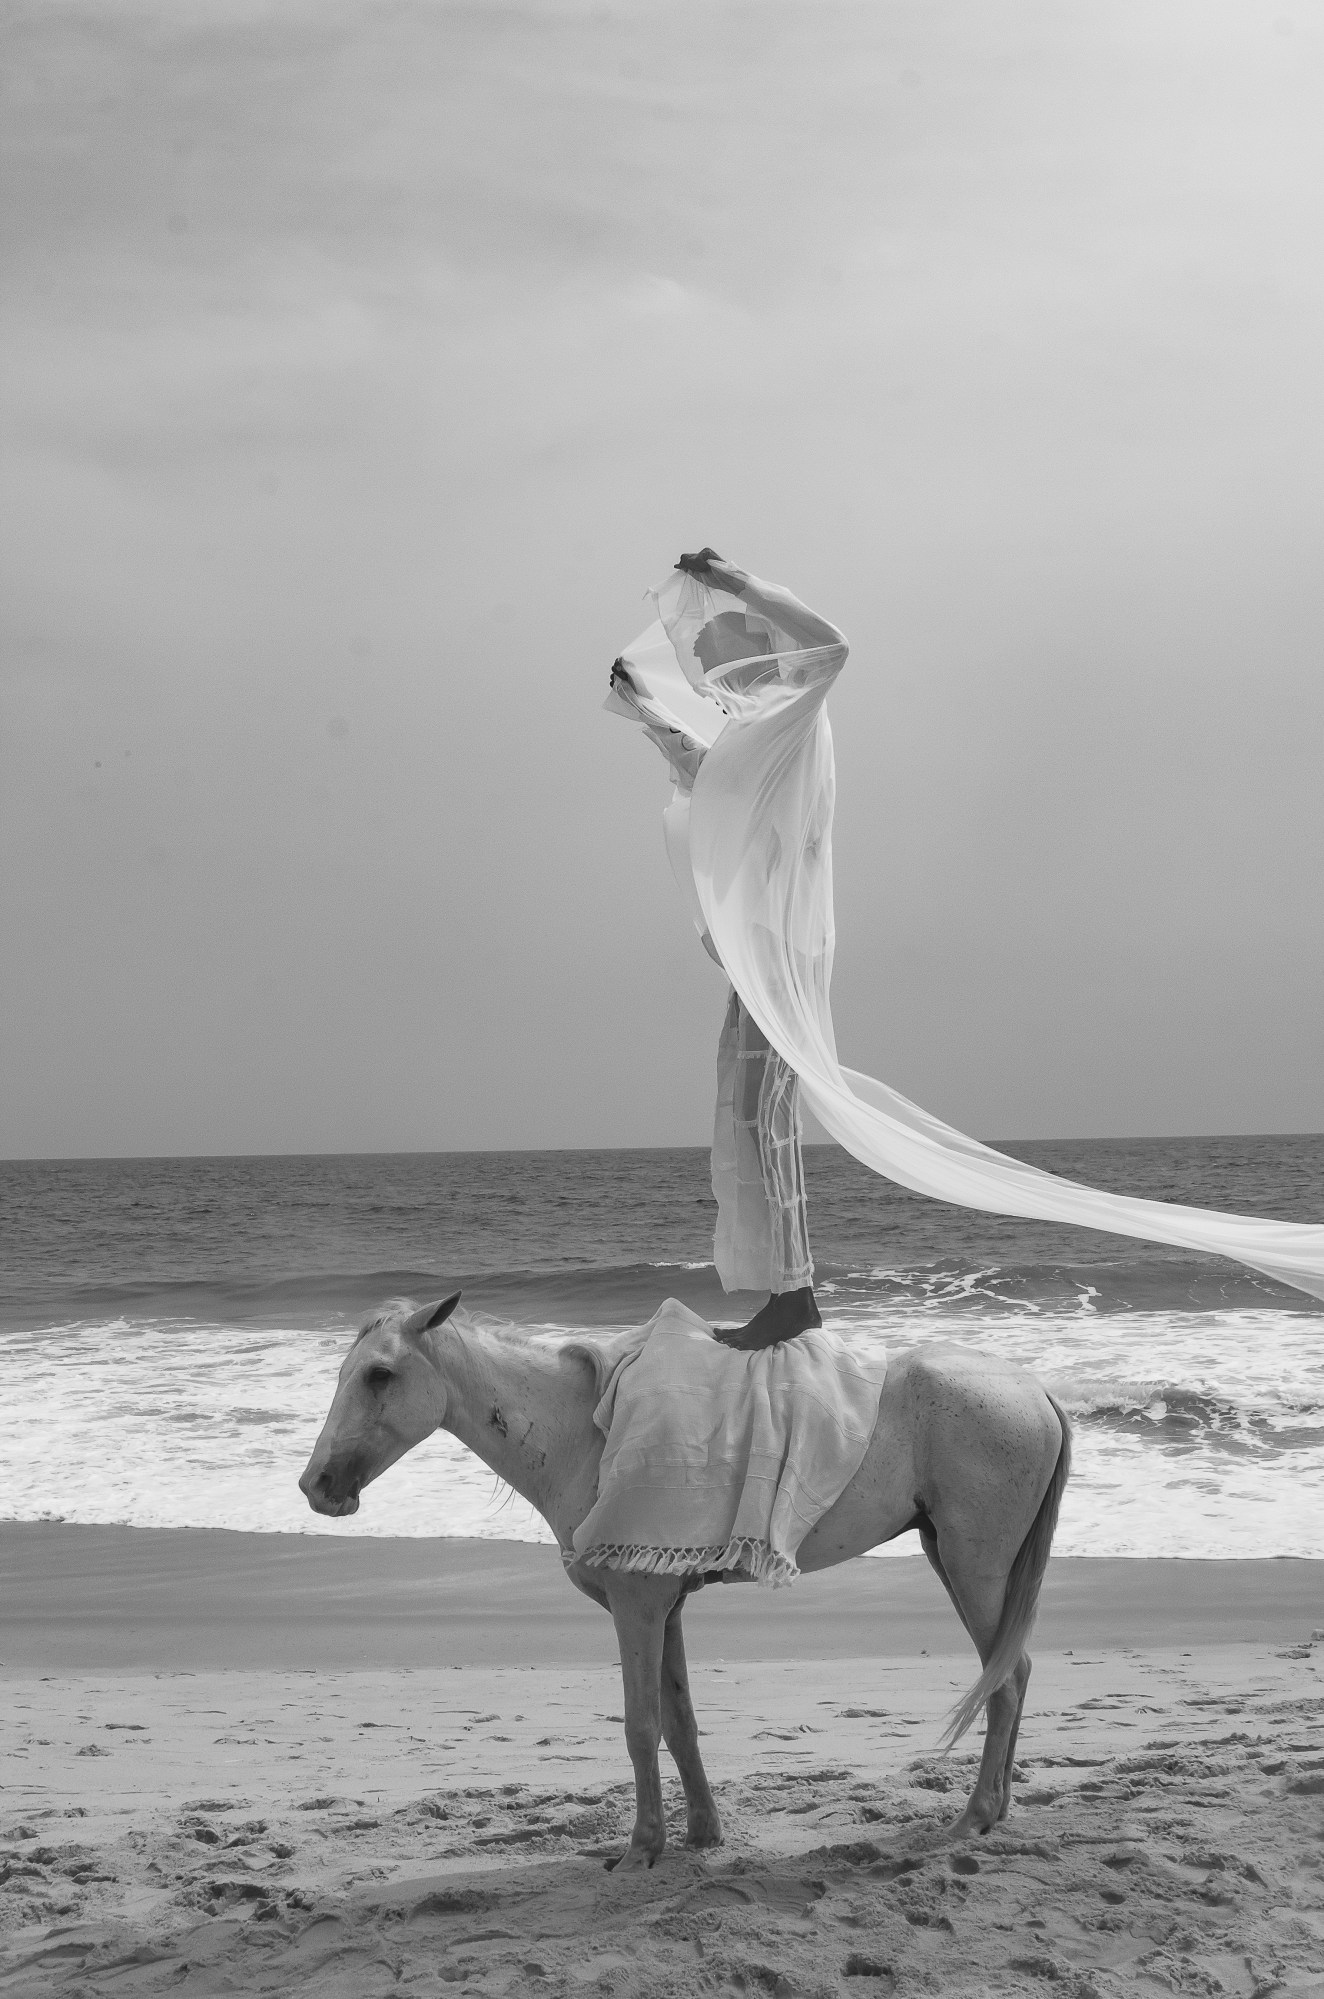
[(749, 834), (761, 1241)]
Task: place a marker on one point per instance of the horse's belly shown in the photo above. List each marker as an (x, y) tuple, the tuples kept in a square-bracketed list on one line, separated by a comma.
[(877, 1504)]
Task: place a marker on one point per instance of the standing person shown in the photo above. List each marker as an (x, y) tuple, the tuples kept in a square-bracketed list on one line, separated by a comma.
[(732, 682), (752, 643)]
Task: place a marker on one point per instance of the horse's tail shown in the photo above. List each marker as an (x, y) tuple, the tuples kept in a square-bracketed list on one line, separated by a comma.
[(1021, 1601)]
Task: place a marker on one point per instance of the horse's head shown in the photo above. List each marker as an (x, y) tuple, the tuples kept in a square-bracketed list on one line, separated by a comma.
[(389, 1397)]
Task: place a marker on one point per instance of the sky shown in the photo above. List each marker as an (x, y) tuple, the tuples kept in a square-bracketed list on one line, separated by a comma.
[(365, 364)]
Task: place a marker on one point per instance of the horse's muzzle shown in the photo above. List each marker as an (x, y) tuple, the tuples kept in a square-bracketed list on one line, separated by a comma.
[(319, 1489)]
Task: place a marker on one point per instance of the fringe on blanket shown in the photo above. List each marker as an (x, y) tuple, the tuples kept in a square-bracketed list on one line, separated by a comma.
[(755, 1559)]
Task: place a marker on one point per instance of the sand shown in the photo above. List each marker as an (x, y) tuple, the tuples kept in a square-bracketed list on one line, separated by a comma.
[(245, 1764)]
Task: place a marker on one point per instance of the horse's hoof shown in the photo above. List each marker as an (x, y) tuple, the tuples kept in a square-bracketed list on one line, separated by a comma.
[(632, 1861), (704, 1835)]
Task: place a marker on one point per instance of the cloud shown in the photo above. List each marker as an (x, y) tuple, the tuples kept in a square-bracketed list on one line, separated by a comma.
[(367, 362)]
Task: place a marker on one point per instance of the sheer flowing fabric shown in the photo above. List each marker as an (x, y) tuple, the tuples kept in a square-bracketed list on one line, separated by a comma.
[(761, 1241), (749, 833)]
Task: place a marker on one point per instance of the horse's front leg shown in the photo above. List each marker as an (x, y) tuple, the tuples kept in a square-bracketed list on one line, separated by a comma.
[(681, 1732), (640, 1606)]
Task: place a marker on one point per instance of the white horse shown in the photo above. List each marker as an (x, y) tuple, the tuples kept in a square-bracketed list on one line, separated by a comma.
[(972, 1453)]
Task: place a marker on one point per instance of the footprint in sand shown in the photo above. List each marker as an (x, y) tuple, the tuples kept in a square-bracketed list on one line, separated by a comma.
[(883, 1977), (781, 1894)]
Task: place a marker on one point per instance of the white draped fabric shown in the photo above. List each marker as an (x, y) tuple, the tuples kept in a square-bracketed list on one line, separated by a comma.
[(761, 1241), (749, 833)]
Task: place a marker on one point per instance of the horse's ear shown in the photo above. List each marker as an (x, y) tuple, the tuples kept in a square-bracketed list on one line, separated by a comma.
[(428, 1316)]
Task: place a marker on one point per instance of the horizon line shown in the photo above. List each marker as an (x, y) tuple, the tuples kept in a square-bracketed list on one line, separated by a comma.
[(472, 1151)]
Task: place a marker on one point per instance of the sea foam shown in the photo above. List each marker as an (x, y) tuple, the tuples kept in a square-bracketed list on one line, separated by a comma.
[(1197, 1434)]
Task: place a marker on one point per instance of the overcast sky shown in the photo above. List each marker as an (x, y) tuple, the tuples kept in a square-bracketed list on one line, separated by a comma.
[(365, 363)]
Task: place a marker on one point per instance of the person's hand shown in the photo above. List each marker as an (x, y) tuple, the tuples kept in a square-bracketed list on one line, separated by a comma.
[(709, 567)]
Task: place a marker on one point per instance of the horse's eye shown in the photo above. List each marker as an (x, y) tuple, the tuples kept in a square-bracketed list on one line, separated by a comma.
[(379, 1377)]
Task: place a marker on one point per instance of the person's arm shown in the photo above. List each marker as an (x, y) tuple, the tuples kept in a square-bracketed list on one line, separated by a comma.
[(768, 599), (682, 751)]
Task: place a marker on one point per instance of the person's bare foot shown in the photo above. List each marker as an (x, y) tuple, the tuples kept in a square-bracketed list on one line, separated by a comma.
[(785, 1314)]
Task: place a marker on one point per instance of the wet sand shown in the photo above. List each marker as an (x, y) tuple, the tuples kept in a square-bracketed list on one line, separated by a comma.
[(246, 1763), (148, 1599)]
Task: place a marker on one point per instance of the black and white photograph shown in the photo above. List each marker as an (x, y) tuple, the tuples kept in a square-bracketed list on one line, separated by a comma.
[(662, 999)]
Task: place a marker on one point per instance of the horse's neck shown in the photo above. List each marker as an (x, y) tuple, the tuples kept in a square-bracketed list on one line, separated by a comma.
[(528, 1413)]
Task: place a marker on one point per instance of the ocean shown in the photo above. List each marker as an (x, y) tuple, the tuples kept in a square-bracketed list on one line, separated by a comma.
[(170, 1329)]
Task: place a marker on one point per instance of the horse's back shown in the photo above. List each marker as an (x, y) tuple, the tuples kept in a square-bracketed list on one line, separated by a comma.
[(932, 1386)]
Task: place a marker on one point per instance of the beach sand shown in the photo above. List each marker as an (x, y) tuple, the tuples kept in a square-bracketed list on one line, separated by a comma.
[(293, 1765)]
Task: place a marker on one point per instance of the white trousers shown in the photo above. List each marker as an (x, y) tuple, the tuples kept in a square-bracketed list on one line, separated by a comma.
[(762, 1237)]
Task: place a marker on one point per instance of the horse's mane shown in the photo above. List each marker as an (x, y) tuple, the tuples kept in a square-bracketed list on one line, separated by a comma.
[(603, 1355)]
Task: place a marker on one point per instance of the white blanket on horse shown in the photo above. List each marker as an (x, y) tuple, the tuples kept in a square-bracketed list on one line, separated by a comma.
[(719, 1460)]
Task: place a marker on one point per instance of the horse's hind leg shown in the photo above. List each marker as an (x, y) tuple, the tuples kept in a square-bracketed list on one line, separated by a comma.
[(989, 1800), (995, 1457), (1022, 1680), (681, 1733), (977, 1595)]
